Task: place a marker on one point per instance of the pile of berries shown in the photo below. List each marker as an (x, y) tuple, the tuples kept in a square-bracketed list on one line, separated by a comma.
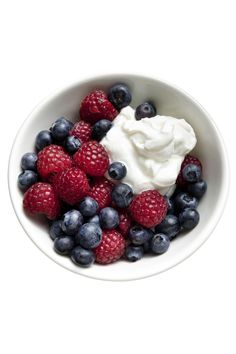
[(92, 218)]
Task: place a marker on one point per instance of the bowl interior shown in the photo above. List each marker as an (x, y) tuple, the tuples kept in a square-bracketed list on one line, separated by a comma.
[(169, 101)]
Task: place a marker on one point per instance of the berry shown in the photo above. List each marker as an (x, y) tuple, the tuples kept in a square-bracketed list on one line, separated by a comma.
[(82, 257), (191, 173), (197, 189), (189, 218), (96, 106), (51, 160), (41, 198), (82, 130), (55, 230), (170, 205), (117, 170), (122, 195), (139, 235), (159, 243), (88, 207), (146, 245), (169, 226), (100, 129), (94, 219), (119, 95), (64, 244), (134, 253), (189, 159), (29, 161), (148, 208), (101, 192), (43, 139), (89, 235), (72, 144), (125, 223), (71, 185), (111, 248), (60, 129), (71, 222), (26, 179), (109, 218), (92, 158), (145, 110), (184, 200)]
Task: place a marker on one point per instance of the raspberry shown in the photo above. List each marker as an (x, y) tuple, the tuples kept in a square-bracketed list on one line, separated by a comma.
[(41, 198), (92, 158), (125, 223), (148, 208), (187, 160), (82, 130), (101, 192), (51, 160), (71, 185), (111, 248), (96, 106)]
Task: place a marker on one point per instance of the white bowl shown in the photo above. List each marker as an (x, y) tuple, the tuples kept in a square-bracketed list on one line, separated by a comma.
[(169, 101)]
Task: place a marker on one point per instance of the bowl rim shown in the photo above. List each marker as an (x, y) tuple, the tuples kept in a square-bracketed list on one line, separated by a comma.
[(226, 171)]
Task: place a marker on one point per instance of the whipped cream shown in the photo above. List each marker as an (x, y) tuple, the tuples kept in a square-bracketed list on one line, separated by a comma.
[(152, 149)]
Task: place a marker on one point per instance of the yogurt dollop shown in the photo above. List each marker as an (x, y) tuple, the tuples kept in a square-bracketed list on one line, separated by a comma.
[(152, 149)]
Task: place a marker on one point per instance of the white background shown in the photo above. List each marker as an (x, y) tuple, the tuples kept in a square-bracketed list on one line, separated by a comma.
[(46, 45)]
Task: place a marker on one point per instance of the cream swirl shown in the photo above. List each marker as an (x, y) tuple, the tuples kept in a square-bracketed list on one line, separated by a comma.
[(152, 149)]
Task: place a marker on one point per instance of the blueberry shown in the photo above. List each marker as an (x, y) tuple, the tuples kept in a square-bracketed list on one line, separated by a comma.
[(26, 179), (134, 253), (29, 161), (117, 170), (159, 243), (189, 218), (88, 207), (169, 226), (89, 235), (55, 230), (100, 129), (65, 121), (82, 257), (197, 189), (145, 110), (119, 95), (72, 144), (170, 205), (71, 222), (43, 139), (60, 129), (139, 235), (109, 218), (191, 173), (94, 219), (146, 247), (64, 244), (122, 195), (184, 200)]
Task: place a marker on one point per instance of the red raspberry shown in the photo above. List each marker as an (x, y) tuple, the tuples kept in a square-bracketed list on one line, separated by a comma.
[(125, 222), (51, 160), (96, 106), (187, 160), (148, 208), (92, 158), (41, 198), (82, 130), (71, 185), (101, 192), (111, 248)]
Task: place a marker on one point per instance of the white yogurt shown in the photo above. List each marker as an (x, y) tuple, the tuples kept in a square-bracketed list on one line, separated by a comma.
[(152, 149)]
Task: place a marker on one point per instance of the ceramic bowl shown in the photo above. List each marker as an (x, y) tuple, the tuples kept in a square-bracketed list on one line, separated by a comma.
[(169, 100)]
